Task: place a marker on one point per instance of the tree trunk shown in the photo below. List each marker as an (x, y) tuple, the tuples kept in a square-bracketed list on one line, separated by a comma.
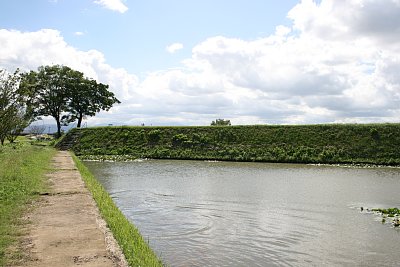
[(79, 121), (58, 128)]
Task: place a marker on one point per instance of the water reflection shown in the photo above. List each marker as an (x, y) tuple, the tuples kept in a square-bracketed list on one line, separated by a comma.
[(249, 214)]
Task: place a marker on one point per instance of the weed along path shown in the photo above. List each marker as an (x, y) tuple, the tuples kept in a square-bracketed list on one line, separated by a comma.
[(66, 228)]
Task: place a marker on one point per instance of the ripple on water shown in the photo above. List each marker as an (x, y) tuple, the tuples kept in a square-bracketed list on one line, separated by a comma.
[(244, 214)]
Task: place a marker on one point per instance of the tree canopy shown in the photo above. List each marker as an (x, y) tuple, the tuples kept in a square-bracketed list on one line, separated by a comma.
[(65, 94), (49, 89), (221, 122), (87, 98), (15, 111)]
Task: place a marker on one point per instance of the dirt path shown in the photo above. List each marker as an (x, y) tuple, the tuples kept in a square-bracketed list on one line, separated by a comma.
[(66, 228)]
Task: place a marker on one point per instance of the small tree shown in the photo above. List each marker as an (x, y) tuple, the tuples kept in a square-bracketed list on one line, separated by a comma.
[(15, 112), (18, 124), (48, 89), (87, 97), (6, 119), (221, 122), (37, 129)]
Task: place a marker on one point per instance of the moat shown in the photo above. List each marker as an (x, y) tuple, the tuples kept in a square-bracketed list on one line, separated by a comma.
[(197, 213)]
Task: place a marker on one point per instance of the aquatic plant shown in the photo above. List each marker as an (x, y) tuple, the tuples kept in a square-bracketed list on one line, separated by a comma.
[(392, 213)]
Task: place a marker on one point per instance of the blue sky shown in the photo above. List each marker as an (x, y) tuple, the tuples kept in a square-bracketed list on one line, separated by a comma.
[(136, 39), (180, 62)]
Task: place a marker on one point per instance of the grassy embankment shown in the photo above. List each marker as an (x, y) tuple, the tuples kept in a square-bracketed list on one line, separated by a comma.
[(338, 143), (134, 247), (22, 169)]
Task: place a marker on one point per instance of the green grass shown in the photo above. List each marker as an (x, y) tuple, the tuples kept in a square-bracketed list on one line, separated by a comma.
[(325, 143), (134, 247), (22, 169)]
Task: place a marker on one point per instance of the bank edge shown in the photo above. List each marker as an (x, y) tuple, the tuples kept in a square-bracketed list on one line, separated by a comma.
[(136, 250)]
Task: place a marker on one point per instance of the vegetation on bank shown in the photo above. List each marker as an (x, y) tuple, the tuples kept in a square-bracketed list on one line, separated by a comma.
[(22, 169), (137, 252), (328, 143)]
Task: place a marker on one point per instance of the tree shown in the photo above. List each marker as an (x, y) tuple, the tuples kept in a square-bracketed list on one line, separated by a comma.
[(87, 98), (18, 124), (221, 122), (66, 95), (37, 129), (15, 112), (49, 91)]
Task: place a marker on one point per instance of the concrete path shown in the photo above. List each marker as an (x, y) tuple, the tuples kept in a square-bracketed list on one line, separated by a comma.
[(66, 228)]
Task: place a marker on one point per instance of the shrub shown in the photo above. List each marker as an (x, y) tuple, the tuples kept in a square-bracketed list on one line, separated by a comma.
[(374, 134), (154, 136), (181, 140)]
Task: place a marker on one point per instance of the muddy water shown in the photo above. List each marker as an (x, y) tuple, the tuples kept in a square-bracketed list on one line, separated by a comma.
[(254, 214)]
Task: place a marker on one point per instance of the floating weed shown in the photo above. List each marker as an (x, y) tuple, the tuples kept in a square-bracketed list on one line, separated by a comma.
[(110, 158), (391, 214)]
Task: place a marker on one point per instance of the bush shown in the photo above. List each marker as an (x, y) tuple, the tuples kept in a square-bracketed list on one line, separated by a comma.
[(374, 134), (180, 140), (154, 136)]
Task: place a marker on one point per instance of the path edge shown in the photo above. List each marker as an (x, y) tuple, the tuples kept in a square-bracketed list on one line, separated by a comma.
[(134, 249), (112, 246)]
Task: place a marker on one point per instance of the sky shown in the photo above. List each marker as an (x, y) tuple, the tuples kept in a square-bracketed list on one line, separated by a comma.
[(175, 62)]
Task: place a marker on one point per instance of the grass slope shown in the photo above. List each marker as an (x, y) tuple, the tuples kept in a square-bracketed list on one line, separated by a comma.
[(134, 247), (22, 169), (338, 143)]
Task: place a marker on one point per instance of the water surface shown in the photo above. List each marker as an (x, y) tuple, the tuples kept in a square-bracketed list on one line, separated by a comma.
[(256, 214)]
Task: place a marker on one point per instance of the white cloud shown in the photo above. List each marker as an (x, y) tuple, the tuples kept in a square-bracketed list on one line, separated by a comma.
[(174, 48), (327, 67), (29, 50), (79, 33), (115, 5), (373, 20)]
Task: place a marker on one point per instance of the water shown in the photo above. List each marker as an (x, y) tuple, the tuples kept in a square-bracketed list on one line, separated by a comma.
[(254, 214)]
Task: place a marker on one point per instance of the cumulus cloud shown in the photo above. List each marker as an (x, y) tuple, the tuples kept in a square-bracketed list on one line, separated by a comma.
[(330, 65), (174, 48), (375, 20), (29, 50), (115, 5)]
